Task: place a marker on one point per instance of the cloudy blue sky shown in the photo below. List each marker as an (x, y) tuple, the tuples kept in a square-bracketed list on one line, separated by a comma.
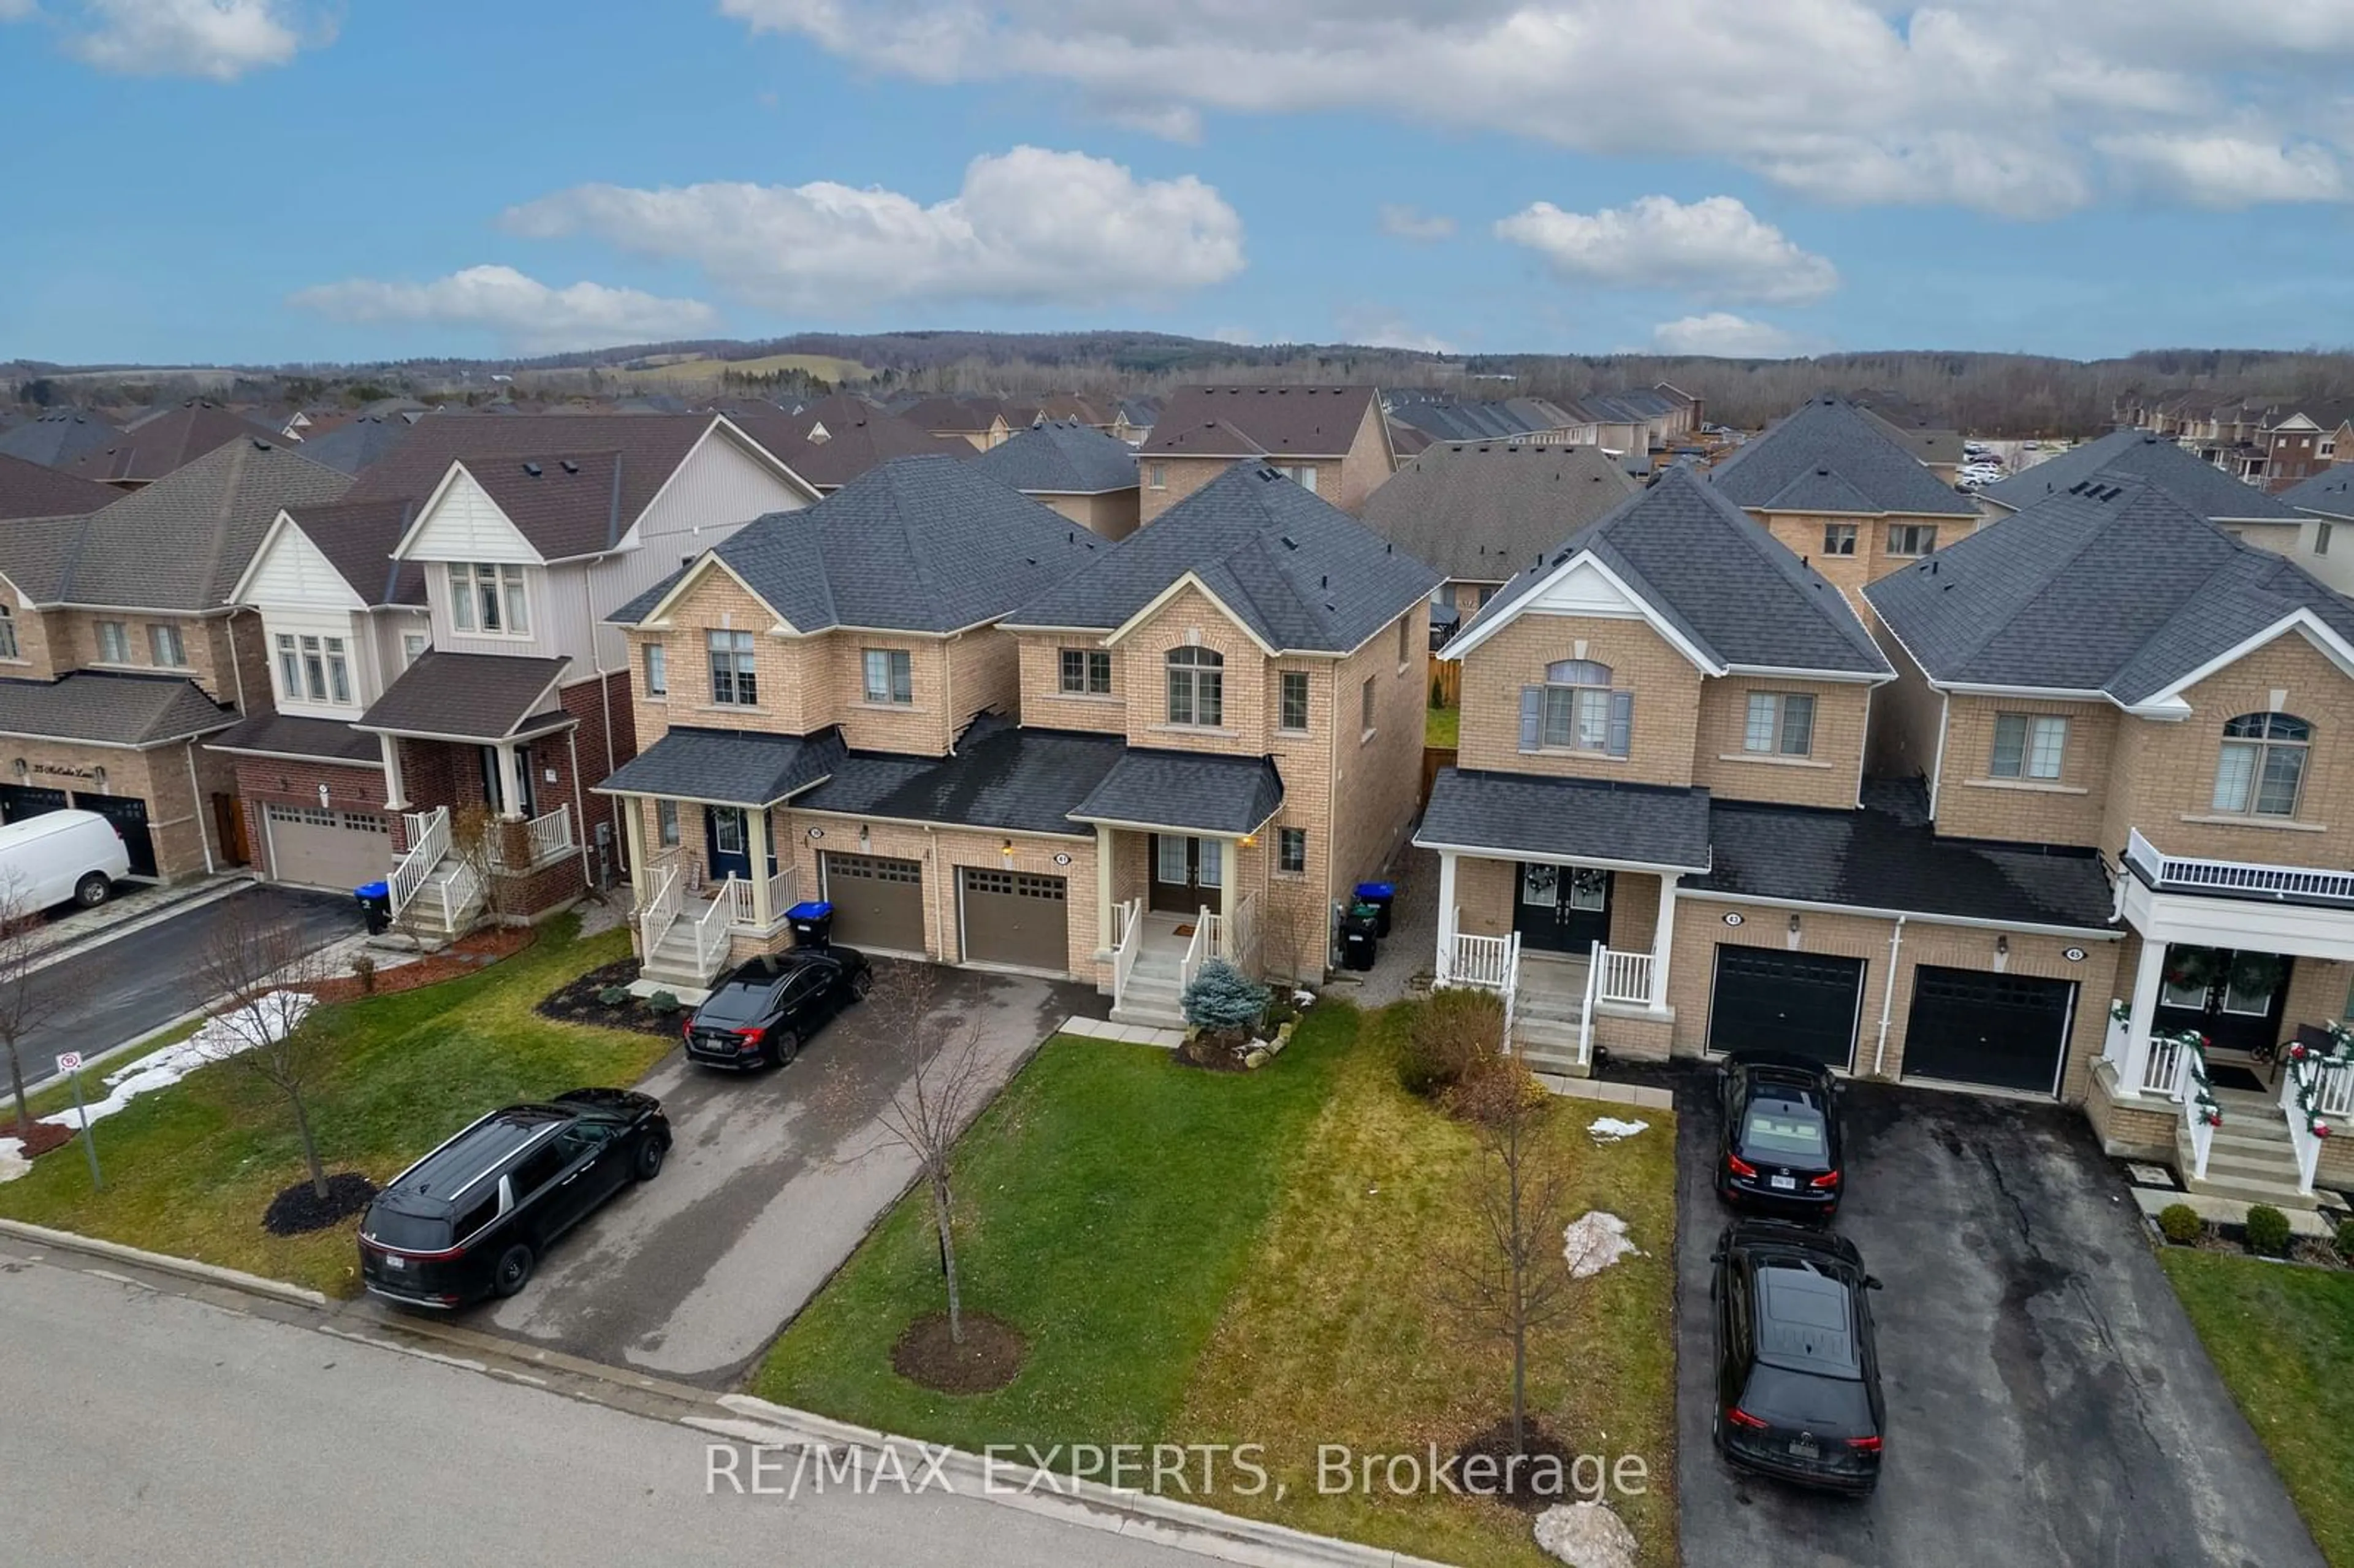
[(265, 180)]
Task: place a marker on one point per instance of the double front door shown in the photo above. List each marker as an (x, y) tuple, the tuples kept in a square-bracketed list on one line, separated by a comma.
[(1562, 908), (1188, 873), (2236, 998)]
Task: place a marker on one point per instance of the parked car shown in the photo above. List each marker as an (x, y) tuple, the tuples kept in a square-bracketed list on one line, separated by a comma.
[(1798, 1375), (1779, 1147), (61, 857), (473, 1218), (760, 1015)]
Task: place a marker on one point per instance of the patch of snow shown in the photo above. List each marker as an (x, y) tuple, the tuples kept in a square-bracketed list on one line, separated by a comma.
[(1303, 998), (1610, 1129), (215, 1041), (1594, 1242), (12, 1161), (1586, 1535)]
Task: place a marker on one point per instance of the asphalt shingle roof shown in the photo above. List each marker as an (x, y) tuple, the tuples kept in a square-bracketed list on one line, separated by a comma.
[(1060, 459), (919, 544), (1826, 437), (35, 553), (1568, 819), (1720, 579), (119, 710), (166, 442), (29, 489), (2197, 485), (1260, 421), (568, 503), (359, 443), (468, 696), (857, 435), (1186, 791), (1300, 572), (2112, 587), (279, 735), (57, 436), (357, 538), (740, 768), (1001, 777), (1481, 510), (2329, 492)]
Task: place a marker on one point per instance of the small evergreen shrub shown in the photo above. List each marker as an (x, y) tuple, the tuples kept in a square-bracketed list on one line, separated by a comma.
[(2180, 1223), (1223, 999), (2267, 1230), (613, 996), (664, 1002)]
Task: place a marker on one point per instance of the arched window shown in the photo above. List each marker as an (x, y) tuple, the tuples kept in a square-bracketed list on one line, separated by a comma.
[(2262, 767), (1197, 686), (1577, 710)]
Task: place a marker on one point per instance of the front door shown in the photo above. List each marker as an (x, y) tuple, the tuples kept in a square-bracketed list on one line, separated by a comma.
[(2236, 998), (524, 808), (1187, 874), (1563, 909), (724, 839)]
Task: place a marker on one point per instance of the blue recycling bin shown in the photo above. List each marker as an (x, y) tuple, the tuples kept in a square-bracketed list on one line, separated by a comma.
[(812, 923), (376, 903), (1381, 896)]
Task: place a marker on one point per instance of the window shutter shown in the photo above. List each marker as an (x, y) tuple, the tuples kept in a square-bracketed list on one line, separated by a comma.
[(1531, 717), (1622, 723)]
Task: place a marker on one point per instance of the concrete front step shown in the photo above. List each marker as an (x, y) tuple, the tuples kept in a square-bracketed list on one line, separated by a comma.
[(2239, 1174), (1148, 1017)]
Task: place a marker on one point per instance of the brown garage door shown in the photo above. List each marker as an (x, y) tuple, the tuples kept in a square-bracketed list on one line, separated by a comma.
[(1014, 917), (877, 903), (312, 847)]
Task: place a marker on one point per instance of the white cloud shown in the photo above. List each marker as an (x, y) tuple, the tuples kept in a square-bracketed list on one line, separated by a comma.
[(219, 39), (17, 10), (1412, 223), (2000, 105), (1728, 336), (1241, 337), (1715, 248), (1028, 227), (519, 310), (1381, 329), (2228, 170)]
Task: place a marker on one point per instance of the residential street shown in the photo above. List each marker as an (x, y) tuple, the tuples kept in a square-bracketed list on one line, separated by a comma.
[(774, 1179), (137, 983), (159, 1430)]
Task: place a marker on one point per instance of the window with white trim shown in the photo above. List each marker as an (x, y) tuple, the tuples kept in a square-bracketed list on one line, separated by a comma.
[(414, 645), (657, 670), (890, 676), (1197, 687), (1838, 538), (1779, 724), (1086, 671), (1302, 474), (2027, 746), (1156, 476), (1911, 538), (1366, 705), (314, 668), (1292, 850), (2260, 770), (8, 633), (1292, 710), (733, 683), (164, 645), (1577, 709), (489, 598), (113, 643)]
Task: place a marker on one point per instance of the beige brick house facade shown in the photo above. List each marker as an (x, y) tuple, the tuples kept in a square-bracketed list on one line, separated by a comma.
[(1332, 439)]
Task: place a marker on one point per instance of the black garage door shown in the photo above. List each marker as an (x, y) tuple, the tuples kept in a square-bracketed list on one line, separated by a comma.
[(18, 801), (2007, 1031), (1014, 917), (1803, 1004), (129, 820), (877, 901)]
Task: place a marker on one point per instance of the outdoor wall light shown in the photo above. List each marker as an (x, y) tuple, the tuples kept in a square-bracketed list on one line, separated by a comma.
[(24, 770), (2002, 947), (1246, 841), (323, 795), (866, 842), (1793, 924), (1006, 849), (98, 777), (816, 833)]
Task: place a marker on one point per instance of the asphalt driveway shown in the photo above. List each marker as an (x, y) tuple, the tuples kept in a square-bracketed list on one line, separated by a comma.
[(772, 1181), (2047, 1402)]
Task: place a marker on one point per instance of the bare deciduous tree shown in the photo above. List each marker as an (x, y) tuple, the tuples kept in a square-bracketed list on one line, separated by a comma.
[(478, 841), (257, 972), (1504, 1277), (24, 1006)]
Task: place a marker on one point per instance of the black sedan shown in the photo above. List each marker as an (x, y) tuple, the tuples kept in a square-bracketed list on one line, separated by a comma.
[(472, 1218), (1779, 1150), (1798, 1376), (759, 1015)]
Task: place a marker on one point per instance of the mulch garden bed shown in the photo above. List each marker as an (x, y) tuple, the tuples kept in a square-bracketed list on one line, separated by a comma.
[(575, 1001), (44, 1137), (298, 1209), (1541, 1479), (468, 955), (990, 1358)]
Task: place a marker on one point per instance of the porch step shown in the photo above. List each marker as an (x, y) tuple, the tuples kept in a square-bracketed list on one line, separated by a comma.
[(2247, 1167)]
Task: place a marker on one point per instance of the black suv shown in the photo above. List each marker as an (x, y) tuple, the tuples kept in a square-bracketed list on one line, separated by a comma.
[(759, 1016), (1798, 1378), (1780, 1146), (472, 1218)]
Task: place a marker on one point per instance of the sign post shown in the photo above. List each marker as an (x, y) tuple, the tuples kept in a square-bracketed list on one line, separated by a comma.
[(70, 1062)]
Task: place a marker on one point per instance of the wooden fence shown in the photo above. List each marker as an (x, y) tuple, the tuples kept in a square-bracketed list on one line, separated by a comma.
[(1445, 683)]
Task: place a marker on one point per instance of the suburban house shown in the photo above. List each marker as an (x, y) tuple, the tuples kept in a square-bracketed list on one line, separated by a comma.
[(2304, 440), (462, 575), (979, 422), (1132, 420), (2326, 501), (2109, 673), (57, 436), (831, 441), (29, 489), (1481, 511), (1332, 440), (1082, 472), (1438, 417), (1934, 447), (1843, 494), (121, 654), (2265, 521), (354, 445), (163, 442), (987, 736)]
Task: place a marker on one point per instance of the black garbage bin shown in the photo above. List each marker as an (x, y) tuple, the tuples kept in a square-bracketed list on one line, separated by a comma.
[(1360, 937), (376, 903), (1381, 896), (812, 923)]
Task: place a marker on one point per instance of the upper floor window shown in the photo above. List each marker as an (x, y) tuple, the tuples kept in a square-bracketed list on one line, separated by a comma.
[(1577, 710), (2262, 767), (1156, 476), (1293, 705), (1302, 474), (657, 670), (489, 598), (2027, 746), (113, 643), (164, 642), (1292, 850), (1405, 641), (1779, 724), (1366, 705), (1911, 538), (890, 676), (1086, 671), (8, 633), (1838, 538), (1197, 686), (732, 680), (314, 668), (414, 645), (2321, 539)]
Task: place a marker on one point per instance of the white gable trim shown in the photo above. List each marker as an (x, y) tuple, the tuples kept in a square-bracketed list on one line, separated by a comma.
[(752, 449), (2170, 703), (285, 533), (1160, 600), (1553, 596), (658, 617), (457, 482)]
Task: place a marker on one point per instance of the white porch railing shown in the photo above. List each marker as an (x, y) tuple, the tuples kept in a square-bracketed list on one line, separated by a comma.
[(550, 834), (2244, 878), (711, 929), (428, 841), (2189, 1081), (2164, 1072), (1129, 932), (1484, 961), (781, 898), (460, 894), (2314, 1089), (1196, 950), (1625, 976), (1585, 1012), (664, 899)]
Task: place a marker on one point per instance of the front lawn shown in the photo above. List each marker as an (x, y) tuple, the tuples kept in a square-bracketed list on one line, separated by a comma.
[(2284, 1339), (190, 1168), (1200, 1258)]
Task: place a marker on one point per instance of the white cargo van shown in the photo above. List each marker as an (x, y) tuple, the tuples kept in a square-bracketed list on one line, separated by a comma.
[(59, 857)]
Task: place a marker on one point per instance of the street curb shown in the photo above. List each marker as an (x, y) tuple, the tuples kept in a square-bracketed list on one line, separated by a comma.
[(1186, 1526), (187, 1268)]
